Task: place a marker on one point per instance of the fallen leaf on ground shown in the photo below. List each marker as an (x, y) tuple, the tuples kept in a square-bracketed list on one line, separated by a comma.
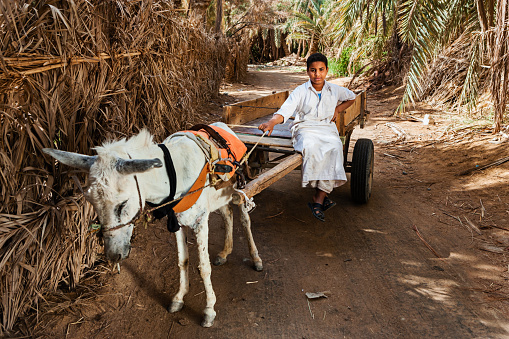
[(314, 295)]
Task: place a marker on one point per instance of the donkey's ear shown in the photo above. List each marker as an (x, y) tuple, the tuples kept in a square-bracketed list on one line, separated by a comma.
[(71, 159), (124, 166)]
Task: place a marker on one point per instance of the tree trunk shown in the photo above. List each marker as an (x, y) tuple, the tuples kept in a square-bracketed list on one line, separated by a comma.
[(313, 46), (219, 16), (273, 47), (286, 50), (500, 64)]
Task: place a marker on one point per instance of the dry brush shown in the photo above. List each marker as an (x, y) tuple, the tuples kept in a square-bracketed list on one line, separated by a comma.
[(72, 74)]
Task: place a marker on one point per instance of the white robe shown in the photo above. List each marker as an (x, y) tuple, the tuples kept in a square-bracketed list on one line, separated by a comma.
[(315, 136)]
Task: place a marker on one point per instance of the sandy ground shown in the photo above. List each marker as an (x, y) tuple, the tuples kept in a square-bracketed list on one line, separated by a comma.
[(383, 279)]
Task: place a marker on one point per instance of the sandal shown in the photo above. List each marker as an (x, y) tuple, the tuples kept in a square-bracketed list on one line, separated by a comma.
[(327, 203), (317, 210)]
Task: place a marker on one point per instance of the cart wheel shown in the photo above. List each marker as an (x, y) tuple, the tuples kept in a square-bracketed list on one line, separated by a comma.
[(362, 170)]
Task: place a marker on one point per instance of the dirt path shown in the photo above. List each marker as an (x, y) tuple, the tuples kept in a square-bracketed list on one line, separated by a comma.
[(381, 279)]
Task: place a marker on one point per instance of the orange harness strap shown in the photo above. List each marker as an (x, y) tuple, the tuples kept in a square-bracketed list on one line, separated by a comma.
[(189, 200), (237, 147)]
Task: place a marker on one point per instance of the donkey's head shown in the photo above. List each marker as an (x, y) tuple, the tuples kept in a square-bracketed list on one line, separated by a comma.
[(114, 193)]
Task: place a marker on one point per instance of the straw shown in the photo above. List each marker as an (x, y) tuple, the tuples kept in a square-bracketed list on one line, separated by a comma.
[(72, 75)]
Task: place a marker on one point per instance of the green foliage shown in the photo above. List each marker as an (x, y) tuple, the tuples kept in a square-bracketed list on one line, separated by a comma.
[(380, 29), (309, 22), (399, 36), (340, 66)]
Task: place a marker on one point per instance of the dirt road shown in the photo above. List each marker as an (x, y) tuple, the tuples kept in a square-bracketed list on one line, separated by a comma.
[(381, 279)]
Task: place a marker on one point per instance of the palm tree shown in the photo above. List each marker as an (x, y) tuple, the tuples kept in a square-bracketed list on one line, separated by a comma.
[(426, 27), (311, 24)]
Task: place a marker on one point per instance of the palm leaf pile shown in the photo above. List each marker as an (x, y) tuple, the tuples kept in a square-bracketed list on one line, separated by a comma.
[(72, 74), (456, 78)]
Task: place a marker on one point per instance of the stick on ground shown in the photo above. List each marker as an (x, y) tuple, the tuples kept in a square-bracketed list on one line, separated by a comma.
[(426, 243)]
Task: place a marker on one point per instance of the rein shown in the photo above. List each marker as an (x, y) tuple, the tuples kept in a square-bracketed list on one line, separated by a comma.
[(141, 213)]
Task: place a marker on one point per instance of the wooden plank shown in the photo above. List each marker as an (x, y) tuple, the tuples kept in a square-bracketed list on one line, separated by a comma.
[(341, 123), (242, 112), (266, 141), (351, 113), (280, 130), (268, 178)]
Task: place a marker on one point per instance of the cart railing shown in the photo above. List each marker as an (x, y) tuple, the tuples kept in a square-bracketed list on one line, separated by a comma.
[(244, 111), (246, 115)]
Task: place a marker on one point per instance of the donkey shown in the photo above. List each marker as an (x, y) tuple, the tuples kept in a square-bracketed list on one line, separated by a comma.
[(127, 173)]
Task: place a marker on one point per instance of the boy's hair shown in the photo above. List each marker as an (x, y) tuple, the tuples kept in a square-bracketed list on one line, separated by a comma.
[(316, 57)]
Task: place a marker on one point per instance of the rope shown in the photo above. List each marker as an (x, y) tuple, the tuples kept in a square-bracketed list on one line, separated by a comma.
[(252, 149), (141, 213), (242, 106), (248, 202), (177, 199)]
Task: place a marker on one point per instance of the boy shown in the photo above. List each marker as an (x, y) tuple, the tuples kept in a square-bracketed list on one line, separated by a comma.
[(314, 133)]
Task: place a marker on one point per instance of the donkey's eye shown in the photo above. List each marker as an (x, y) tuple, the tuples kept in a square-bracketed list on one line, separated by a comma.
[(119, 208)]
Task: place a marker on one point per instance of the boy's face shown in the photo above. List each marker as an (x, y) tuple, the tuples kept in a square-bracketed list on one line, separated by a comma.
[(317, 72)]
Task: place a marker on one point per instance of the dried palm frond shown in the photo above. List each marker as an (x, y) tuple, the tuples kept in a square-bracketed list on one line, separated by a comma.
[(456, 79), (72, 74)]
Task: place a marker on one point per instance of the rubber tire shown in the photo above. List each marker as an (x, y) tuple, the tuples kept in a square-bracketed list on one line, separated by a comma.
[(361, 179)]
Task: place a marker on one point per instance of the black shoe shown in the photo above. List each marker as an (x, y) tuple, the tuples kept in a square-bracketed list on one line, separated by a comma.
[(317, 210), (327, 203)]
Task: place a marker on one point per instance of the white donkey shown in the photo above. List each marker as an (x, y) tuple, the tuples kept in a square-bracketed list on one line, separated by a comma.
[(118, 197)]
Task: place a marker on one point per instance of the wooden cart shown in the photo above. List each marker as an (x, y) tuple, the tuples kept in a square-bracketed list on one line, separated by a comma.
[(274, 157)]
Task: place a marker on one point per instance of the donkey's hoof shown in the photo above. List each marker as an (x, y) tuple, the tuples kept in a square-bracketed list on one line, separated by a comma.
[(175, 306), (258, 266), (219, 261), (208, 320)]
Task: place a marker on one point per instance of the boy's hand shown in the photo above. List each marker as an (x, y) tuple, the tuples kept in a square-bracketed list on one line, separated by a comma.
[(269, 125), (335, 116), (344, 105)]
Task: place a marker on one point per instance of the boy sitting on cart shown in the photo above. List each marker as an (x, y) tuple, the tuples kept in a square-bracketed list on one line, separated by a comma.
[(316, 105)]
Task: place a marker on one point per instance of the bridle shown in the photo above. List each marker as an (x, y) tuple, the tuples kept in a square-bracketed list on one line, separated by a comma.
[(141, 213), (136, 217)]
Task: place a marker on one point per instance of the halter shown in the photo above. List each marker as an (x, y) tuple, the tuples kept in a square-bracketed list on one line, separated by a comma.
[(137, 216), (140, 212)]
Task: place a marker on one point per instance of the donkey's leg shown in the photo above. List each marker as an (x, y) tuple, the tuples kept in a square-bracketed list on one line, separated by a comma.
[(227, 214), (183, 257), (202, 239), (246, 222)]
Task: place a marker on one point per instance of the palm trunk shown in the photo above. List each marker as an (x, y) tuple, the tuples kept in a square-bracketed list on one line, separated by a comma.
[(313, 46), (286, 50), (219, 16), (500, 64)]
